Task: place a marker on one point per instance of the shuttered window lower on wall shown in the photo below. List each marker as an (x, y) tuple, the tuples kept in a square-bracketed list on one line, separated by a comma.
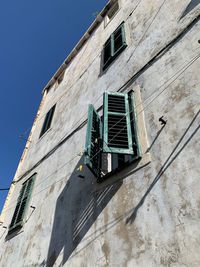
[(22, 204)]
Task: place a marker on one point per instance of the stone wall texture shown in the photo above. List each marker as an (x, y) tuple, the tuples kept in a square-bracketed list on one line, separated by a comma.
[(147, 216)]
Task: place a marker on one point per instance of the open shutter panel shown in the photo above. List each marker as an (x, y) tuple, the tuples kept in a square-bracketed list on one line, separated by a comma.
[(22, 202), (107, 53), (93, 142), (29, 186), (117, 134), (25, 200), (19, 201), (119, 41)]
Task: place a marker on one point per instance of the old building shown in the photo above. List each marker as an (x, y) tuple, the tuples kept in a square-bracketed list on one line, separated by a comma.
[(119, 185)]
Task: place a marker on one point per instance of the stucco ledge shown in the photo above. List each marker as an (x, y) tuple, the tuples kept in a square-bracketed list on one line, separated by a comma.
[(125, 172)]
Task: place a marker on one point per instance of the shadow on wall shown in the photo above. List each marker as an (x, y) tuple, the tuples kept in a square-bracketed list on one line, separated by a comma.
[(77, 208), (171, 158), (192, 4)]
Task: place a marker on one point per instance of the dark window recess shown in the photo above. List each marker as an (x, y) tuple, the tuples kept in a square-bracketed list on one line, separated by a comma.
[(48, 120), (112, 141), (107, 52), (61, 77), (118, 161), (114, 46), (113, 11), (118, 40), (22, 204)]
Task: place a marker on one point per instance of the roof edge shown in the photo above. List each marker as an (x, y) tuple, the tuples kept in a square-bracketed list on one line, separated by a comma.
[(79, 45)]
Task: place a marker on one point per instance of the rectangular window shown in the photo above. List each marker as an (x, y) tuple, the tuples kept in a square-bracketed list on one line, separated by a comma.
[(114, 46), (113, 142), (113, 10), (111, 13), (48, 120), (22, 204)]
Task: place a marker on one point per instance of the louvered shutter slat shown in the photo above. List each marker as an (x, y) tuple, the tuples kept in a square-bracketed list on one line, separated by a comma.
[(13, 221), (93, 142), (22, 204), (21, 211), (107, 53), (117, 134), (119, 40)]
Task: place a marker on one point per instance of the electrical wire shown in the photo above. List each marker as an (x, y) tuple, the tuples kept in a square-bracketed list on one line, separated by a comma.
[(186, 67), (68, 134), (128, 17), (4, 189), (62, 140), (94, 59), (141, 39), (181, 71), (128, 60), (62, 95)]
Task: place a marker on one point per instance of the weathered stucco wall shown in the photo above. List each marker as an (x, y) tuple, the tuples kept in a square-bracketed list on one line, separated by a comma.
[(148, 217)]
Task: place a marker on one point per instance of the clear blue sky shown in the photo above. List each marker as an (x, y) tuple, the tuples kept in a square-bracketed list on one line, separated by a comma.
[(35, 38)]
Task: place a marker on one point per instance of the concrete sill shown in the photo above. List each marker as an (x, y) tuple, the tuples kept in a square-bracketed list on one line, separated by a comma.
[(124, 173)]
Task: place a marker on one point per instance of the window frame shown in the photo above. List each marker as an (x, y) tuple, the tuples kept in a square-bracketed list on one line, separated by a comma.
[(123, 158), (115, 7), (114, 54), (137, 152), (48, 120), (24, 196), (93, 141)]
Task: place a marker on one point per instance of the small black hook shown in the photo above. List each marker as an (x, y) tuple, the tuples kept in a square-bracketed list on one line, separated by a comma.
[(163, 122)]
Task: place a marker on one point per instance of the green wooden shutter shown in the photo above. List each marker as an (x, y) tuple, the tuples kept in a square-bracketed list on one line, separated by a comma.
[(93, 142), (119, 41), (19, 200), (48, 120), (22, 204), (114, 46), (107, 53), (117, 133)]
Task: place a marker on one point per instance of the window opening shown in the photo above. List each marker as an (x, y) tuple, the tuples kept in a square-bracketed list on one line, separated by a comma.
[(111, 12), (114, 46), (47, 120), (112, 141), (22, 204)]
